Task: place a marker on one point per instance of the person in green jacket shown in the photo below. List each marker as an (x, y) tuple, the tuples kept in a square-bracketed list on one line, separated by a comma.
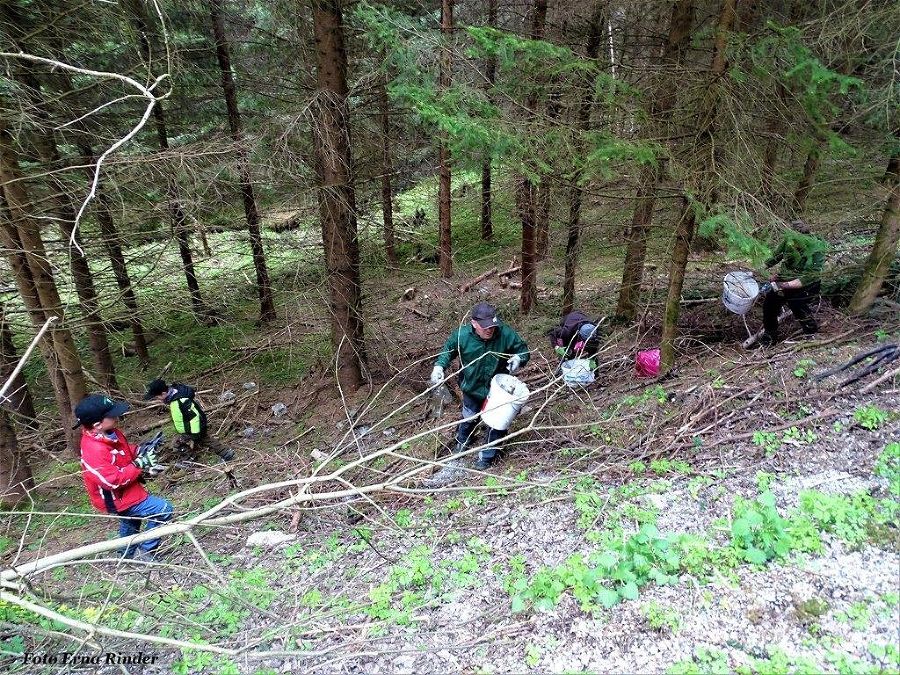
[(797, 282), (485, 347), (188, 418)]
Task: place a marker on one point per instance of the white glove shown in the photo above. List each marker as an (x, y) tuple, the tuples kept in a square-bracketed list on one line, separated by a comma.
[(515, 361), (437, 375)]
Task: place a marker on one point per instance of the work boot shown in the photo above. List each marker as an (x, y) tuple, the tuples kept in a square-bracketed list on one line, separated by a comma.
[(483, 463), (227, 454), (765, 341)]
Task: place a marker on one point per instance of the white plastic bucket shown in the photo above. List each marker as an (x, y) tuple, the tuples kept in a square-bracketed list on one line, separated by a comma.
[(739, 292), (577, 372), (505, 399)]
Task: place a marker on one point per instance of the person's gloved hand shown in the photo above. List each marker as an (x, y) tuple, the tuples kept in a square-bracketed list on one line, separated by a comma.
[(579, 347), (437, 375), (152, 444), (770, 287), (145, 460), (560, 351), (514, 363)]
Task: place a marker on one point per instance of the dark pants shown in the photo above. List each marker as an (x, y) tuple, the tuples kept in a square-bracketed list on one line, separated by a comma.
[(799, 300), (466, 430), (205, 441)]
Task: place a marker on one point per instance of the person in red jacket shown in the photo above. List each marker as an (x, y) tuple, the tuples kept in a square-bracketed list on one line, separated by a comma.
[(112, 468)]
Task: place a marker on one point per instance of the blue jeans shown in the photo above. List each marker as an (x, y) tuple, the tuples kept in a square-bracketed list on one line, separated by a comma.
[(154, 511), (472, 406)]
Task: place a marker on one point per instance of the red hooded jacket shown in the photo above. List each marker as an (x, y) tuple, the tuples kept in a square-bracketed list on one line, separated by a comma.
[(109, 475)]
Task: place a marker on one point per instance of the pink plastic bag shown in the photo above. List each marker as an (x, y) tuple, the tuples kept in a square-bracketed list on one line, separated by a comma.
[(646, 363)]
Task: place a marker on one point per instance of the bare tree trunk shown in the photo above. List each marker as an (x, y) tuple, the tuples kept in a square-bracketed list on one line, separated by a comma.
[(263, 286), (775, 132), (705, 154), (110, 236), (32, 246), (490, 74), (545, 190), (78, 264), (24, 280), (526, 196), (29, 264), (176, 211), (337, 202), (387, 170), (661, 106), (445, 246), (884, 250), (805, 185), (15, 473), (18, 399), (596, 27)]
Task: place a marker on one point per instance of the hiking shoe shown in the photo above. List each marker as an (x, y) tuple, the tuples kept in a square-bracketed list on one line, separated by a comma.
[(483, 463), (765, 341), (227, 455)]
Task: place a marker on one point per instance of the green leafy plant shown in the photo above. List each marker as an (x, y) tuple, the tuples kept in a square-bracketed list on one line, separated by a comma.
[(802, 367), (887, 654), (888, 466), (637, 467), (704, 662), (853, 518), (758, 532), (606, 577), (857, 615), (403, 518), (780, 662), (661, 466), (660, 618), (870, 417), (768, 440), (532, 655)]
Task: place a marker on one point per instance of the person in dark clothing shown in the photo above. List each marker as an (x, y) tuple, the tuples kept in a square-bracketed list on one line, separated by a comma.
[(797, 282), (188, 417), (576, 336), (485, 347)]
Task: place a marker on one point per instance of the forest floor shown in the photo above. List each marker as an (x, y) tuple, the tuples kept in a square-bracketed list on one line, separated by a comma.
[(734, 516)]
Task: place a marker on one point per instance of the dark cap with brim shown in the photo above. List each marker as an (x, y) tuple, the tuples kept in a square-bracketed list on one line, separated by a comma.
[(485, 315), (155, 388), (94, 408)]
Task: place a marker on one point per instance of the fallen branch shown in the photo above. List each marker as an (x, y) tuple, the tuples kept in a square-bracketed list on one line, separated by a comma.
[(24, 357), (419, 312), (510, 271), (885, 376), (477, 280)]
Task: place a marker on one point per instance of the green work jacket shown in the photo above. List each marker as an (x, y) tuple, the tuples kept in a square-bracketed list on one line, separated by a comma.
[(481, 359)]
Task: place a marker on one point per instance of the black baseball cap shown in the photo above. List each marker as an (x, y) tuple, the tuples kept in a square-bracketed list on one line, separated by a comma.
[(92, 409), (155, 388), (485, 315)]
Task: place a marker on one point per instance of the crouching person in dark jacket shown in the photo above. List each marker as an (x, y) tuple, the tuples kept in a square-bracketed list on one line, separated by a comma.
[(188, 417), (112, 469), (485, 347), (576, 337)]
